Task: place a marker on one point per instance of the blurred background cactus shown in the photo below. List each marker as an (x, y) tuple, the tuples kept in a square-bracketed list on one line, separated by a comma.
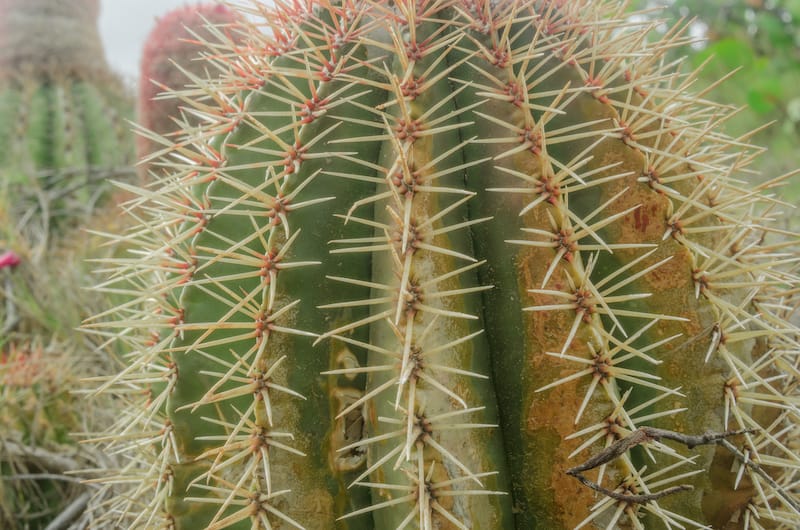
[(172, 61), (62, 115), (63, 137), (38, 415)]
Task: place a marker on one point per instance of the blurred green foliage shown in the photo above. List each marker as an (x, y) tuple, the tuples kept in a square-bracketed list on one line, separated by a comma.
[(761, 38)]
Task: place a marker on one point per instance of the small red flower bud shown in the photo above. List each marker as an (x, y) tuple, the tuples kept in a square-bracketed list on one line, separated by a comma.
[(9, 258)]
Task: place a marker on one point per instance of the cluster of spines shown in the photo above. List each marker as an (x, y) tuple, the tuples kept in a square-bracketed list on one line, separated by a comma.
[(163, 260), (508, 75), (183, 245), (595, 342)]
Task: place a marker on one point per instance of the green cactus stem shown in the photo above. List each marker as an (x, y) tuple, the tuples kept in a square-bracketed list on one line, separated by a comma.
[(62, 112), (425, 263)]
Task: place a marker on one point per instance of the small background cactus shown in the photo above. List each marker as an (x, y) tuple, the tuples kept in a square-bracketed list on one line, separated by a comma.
[(426, 263), (38, 415), (62, 112), (171, 60)]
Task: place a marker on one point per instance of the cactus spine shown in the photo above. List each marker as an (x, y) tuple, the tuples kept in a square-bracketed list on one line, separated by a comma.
[(426, 257)]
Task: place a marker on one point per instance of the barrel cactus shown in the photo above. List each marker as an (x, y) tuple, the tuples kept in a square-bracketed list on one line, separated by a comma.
[(455, 264), (62, 113), (171, 59)]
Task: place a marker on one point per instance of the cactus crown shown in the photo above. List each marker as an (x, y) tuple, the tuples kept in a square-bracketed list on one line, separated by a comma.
[(423, 258), (28, 46)]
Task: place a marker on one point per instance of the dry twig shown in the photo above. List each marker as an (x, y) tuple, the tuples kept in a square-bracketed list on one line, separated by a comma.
[(651, 434)]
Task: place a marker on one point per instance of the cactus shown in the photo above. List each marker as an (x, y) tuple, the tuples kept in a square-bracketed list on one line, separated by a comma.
[(43, 358), (62, 111), (38, 412), (455, 264), (171, 60), (62, 135)]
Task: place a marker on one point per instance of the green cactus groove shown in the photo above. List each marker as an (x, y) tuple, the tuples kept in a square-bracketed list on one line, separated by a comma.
[(425, 259)]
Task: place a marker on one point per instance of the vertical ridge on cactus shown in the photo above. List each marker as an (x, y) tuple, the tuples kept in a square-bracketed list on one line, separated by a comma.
[(424, 258)]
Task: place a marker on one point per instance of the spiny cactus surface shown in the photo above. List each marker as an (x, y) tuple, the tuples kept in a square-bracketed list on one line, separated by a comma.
[(62, 111), (455, 264)]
